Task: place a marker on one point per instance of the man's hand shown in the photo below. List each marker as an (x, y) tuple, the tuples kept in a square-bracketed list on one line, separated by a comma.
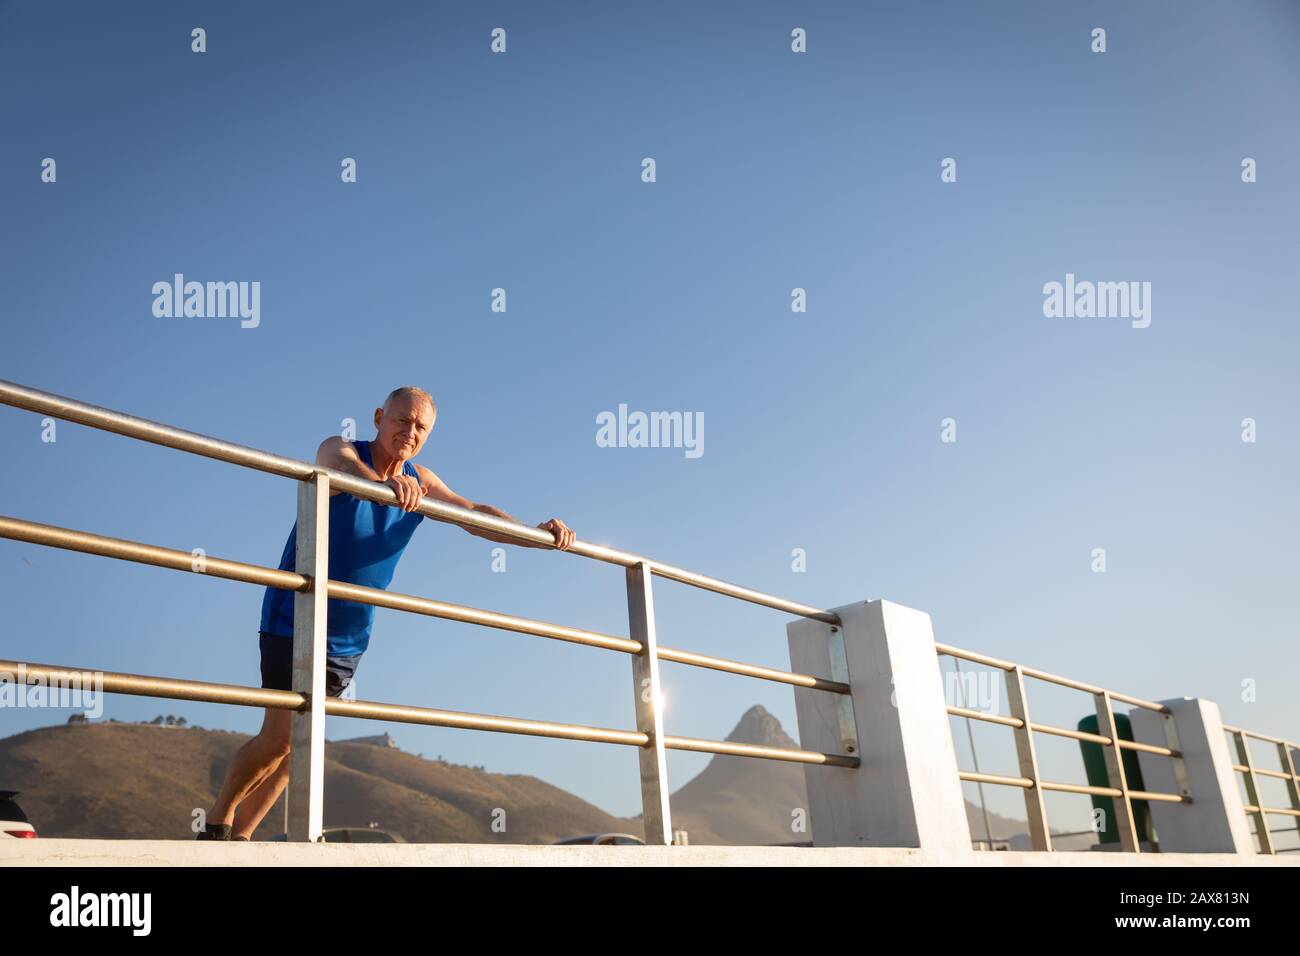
[(408, 491), (564, 536)]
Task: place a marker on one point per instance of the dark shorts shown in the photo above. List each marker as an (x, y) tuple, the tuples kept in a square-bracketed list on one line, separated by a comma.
[(277, 666)]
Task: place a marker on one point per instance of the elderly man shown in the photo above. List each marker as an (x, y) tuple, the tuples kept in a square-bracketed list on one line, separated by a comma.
[(365, 541)]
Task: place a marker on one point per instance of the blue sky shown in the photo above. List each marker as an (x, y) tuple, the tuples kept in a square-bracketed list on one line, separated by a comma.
[(774, 171)]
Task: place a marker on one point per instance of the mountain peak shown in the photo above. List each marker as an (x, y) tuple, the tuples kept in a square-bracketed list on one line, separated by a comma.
[(758, 726)]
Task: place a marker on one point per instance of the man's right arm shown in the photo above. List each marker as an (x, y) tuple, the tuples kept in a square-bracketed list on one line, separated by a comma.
[(341, 455)]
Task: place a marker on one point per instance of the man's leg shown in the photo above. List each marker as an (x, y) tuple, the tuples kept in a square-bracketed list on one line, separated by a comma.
[(269, 760), (254, 763), (258, 804)]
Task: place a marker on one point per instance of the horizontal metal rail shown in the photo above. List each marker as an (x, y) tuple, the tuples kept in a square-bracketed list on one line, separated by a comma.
[(509, 622), (69, 409), (125, 550), (140, 685), (752, 670), (1015, 722), (1261, 772), (1025, 783), (53, 536), (731, 748), (1044, 675), (1264, 737), (1066, 732)]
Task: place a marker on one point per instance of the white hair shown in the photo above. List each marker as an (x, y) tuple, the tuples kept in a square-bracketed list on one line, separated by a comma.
[(410, 391)]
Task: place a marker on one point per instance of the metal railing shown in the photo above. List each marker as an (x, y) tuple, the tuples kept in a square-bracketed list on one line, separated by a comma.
[(1034, 786), (310, 705), (1024, 728), (308, 700), (1250, 777)]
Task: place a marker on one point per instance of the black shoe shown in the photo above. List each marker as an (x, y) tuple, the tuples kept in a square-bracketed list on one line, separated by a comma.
[(215, 831), (245, 839)]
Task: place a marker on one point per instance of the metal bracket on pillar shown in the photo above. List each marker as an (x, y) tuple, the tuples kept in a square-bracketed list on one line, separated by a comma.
[(648, 696), (307, 759), (839, 661), (1181, 777)]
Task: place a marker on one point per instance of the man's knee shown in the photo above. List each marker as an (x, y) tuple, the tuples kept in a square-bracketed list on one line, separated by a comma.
[(279, 744), (276, 734)]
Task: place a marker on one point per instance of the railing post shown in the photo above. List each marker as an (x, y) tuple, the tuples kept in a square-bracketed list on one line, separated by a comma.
[(1292, 783), (656, 814), (307, 760), (906, 792), (1114, 757), (1253, 795), (1215, 820), (1040, 834)]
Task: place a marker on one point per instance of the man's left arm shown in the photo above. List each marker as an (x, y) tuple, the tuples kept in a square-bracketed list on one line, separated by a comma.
[(433, 487)]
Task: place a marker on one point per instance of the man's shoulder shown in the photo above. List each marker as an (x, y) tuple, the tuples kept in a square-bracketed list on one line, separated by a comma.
[(340, 454), (336, 444), (338, 441)]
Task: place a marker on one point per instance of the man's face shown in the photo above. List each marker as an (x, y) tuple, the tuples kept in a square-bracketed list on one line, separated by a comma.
[(403, 426)]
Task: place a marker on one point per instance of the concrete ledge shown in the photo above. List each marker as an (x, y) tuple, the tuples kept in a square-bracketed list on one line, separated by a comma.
[(43, 852)]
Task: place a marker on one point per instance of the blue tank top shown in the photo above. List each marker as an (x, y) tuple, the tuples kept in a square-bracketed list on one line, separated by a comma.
[(366, 539)]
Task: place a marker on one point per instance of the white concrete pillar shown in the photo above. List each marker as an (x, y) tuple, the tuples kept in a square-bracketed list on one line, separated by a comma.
[(1215, 821), (906, 792)]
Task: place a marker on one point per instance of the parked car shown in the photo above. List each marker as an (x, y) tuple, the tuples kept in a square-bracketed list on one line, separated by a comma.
[(354, 835), (603, 839), (13, 822)]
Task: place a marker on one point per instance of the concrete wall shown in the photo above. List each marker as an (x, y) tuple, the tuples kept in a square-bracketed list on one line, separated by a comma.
[(44, 852)]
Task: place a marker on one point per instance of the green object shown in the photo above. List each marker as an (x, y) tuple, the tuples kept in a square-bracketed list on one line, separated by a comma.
[(1094, 764)]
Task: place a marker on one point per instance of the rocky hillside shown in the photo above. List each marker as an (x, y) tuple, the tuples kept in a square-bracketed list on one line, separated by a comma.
[(144, 781)]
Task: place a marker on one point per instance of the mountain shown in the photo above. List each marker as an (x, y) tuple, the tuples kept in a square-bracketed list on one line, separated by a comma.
[(741, 800), (143, 781)]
